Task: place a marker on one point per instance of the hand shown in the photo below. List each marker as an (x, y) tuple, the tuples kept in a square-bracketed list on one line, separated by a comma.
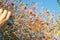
[(4, 16)]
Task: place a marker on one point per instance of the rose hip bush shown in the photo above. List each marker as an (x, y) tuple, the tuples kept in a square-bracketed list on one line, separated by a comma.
[(26, 24)]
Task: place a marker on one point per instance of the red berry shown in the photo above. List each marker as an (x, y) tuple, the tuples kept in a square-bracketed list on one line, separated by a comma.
[(30, 13), (12, 4), (24, 7), (34, 15)]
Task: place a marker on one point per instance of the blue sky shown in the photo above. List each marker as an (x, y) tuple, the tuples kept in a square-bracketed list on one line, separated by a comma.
[(51, 4)]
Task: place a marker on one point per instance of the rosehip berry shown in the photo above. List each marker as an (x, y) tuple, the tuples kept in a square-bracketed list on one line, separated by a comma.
[(34, 15), (30, 13), (12, 4), (24, 7)]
